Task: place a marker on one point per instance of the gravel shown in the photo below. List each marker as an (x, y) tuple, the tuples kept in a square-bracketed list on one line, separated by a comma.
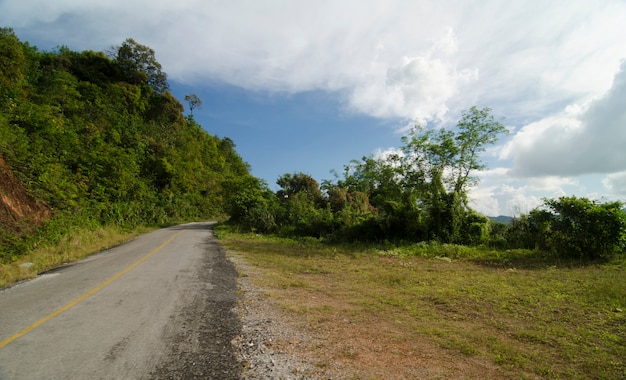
[(200, 335), (269, 346), (232, 331)]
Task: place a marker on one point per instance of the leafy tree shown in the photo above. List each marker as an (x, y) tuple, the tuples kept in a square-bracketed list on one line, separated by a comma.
[(292, 184), (379, 177), (304, 210), (349, 208), (194, 102), (13, 64), (584, 229), (438, 165), (138, 65), (251, 205)]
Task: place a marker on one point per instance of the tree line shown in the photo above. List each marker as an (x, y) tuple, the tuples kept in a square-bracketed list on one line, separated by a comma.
[(420, 193), (99, 136)]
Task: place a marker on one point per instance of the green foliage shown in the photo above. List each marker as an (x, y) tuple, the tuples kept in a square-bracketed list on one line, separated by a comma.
[(253, 208), (580, 228), (303, 210), (91, 134), (571, 228), (138, 65), (12, 66), (298, 183), (418, 193), (439, 166)]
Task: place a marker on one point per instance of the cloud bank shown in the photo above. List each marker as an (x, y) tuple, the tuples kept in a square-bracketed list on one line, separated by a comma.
[(588, 139), (393, 59)]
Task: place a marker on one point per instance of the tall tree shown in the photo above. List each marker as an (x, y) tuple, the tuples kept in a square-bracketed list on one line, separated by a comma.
[(12, 66), (139, 66), (440, 164), (447, 158), (477, 129), (292, 184), (194, 102)]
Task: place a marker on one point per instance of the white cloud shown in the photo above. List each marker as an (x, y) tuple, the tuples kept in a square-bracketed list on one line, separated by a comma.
[(615, 185), (582, 140), (384, 154), (484, 201), (419, 89), (500, 193), (414, 60)]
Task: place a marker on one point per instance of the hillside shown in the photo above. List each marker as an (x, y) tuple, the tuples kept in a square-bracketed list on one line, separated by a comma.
[(19, 211), (94, 137)]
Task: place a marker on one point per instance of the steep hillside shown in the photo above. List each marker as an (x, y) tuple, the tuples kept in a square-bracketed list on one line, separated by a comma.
[(99, 137), (19, 210)]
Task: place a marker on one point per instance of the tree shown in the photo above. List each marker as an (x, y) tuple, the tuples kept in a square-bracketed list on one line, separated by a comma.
[(303, 209), (194, 102), (448, 158), (13, 64), (584, 229), (138, 65), (438, 165), (477, 129), (292, 184), (378, 177)]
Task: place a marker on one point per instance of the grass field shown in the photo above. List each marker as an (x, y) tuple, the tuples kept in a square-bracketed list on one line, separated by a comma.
[(516, 314)]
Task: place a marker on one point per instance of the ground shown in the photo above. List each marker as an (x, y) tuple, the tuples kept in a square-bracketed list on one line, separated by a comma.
[(278, 344)]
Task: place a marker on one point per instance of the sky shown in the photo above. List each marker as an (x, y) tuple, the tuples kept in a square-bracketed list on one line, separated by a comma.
[(308, 86)]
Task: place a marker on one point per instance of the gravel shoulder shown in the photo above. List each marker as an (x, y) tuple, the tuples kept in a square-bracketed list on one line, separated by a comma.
[(200, 334), (270, 345)]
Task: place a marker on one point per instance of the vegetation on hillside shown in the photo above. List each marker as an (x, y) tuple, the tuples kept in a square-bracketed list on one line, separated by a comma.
[(99, 137)]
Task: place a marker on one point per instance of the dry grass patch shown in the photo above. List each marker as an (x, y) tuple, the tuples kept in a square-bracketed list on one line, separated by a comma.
[(383, 316)]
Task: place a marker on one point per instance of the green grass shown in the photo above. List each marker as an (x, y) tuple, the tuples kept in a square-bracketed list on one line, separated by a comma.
[(526, 314)]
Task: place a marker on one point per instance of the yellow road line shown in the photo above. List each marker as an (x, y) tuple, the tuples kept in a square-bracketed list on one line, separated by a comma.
[(86, 295)]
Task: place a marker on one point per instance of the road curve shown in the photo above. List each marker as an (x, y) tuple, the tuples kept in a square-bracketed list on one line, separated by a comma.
[(158, 307)]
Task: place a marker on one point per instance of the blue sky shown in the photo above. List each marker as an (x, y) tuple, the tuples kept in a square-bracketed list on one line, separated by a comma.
[(283, 133), (310, 85)]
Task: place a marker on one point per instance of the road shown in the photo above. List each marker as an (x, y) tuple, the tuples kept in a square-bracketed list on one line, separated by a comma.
[(157, 307)]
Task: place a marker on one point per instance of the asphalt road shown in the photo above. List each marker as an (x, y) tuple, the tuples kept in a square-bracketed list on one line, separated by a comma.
[(157, 307)]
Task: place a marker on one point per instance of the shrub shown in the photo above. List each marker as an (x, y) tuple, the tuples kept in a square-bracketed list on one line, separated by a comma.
[(580, 228)]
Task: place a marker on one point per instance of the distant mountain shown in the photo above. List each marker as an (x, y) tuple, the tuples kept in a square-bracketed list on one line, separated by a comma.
[(501, 219)]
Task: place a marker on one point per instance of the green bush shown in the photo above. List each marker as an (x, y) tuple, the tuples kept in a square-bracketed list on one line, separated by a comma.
[(581, 228)]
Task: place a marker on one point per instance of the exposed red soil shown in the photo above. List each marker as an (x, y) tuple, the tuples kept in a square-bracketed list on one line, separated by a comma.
[(19, 210)]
